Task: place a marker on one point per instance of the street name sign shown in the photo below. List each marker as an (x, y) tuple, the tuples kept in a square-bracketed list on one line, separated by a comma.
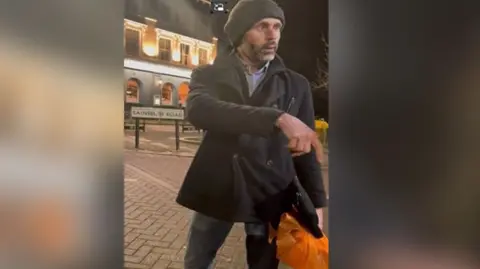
[(157, 113)]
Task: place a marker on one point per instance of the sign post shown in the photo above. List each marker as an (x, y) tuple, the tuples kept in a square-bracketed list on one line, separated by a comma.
[(137, 132), (157, 113), (177, 135)]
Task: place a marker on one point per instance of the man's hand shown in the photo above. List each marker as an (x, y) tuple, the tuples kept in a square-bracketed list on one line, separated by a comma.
[(320, 218), (301, 137)]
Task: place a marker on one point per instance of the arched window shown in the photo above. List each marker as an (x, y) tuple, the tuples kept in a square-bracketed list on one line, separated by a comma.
[(167, 96), (132, 90), (183, 90)]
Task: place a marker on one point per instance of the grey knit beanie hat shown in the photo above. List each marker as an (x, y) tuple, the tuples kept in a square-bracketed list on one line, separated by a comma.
[(248, 12)]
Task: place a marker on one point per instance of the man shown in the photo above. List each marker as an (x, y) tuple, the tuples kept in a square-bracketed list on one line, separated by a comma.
[(259, 120)]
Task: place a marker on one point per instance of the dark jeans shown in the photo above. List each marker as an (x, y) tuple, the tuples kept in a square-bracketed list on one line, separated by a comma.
[(208, 234)]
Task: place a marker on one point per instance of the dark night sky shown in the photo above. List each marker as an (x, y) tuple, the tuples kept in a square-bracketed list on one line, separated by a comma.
[(301, 43)]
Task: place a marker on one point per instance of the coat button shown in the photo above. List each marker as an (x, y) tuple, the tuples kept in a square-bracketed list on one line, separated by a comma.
[(235, 155), (275, 106), (270, 163)]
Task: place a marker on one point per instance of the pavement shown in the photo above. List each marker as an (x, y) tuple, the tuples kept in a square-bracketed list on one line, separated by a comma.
[(156, 228), (161, 139)]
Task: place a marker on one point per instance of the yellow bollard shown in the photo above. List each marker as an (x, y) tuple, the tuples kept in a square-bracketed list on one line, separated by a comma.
[(321, 127)]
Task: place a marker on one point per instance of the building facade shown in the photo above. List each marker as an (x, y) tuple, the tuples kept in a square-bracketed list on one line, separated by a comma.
[(158, 63)]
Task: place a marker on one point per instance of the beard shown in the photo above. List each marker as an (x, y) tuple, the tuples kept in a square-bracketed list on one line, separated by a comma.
[(263, 53)]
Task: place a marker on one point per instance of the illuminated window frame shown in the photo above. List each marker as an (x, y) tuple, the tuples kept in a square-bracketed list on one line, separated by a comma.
[(140, 39), (203, 60), (160, 50), (186, 55)]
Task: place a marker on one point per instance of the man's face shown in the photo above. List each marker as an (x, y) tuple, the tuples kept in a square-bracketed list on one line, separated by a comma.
[(260, 43)]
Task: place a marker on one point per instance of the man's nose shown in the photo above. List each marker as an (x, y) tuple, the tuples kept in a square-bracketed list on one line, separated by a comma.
[(272, 34)]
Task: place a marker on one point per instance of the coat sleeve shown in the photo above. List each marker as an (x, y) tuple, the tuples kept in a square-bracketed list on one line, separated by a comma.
[(206, 111), (307, 168)]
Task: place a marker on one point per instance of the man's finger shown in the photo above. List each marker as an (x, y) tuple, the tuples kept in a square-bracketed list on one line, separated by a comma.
[(307, 147), (320, 218), (299, 147), (304, 144), (318, 149), (292, 144)]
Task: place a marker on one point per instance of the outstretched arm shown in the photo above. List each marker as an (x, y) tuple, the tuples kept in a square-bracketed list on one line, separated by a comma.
[(307, 166)]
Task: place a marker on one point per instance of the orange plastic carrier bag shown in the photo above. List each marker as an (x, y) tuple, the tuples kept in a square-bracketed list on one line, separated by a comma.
[(297, 248)]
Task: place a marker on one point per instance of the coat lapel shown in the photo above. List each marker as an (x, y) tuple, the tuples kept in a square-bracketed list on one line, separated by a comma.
[(230, 75)]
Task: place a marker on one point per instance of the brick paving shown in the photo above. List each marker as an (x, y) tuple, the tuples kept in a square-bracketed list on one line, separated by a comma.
[(156, 228)]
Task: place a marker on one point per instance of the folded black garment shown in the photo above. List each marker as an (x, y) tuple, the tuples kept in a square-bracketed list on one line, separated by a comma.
[(274, 194)]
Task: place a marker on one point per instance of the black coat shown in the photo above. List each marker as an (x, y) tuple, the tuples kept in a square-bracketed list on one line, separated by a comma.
[(241, 138)]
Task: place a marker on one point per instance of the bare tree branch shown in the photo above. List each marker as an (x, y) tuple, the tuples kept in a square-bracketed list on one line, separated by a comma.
[(322, 70)]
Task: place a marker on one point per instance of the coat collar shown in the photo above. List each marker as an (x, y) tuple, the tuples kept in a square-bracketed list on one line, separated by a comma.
[(232, 59), (233, 74)]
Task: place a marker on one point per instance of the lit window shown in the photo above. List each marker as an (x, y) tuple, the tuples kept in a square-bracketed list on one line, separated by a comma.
[(167, 95), (202, 56), (132, 42), (132, 91), (183, 90), (164, 49), (184, 53)]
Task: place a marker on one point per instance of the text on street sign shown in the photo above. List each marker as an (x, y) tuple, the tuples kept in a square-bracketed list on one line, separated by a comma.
[(157, 113)]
